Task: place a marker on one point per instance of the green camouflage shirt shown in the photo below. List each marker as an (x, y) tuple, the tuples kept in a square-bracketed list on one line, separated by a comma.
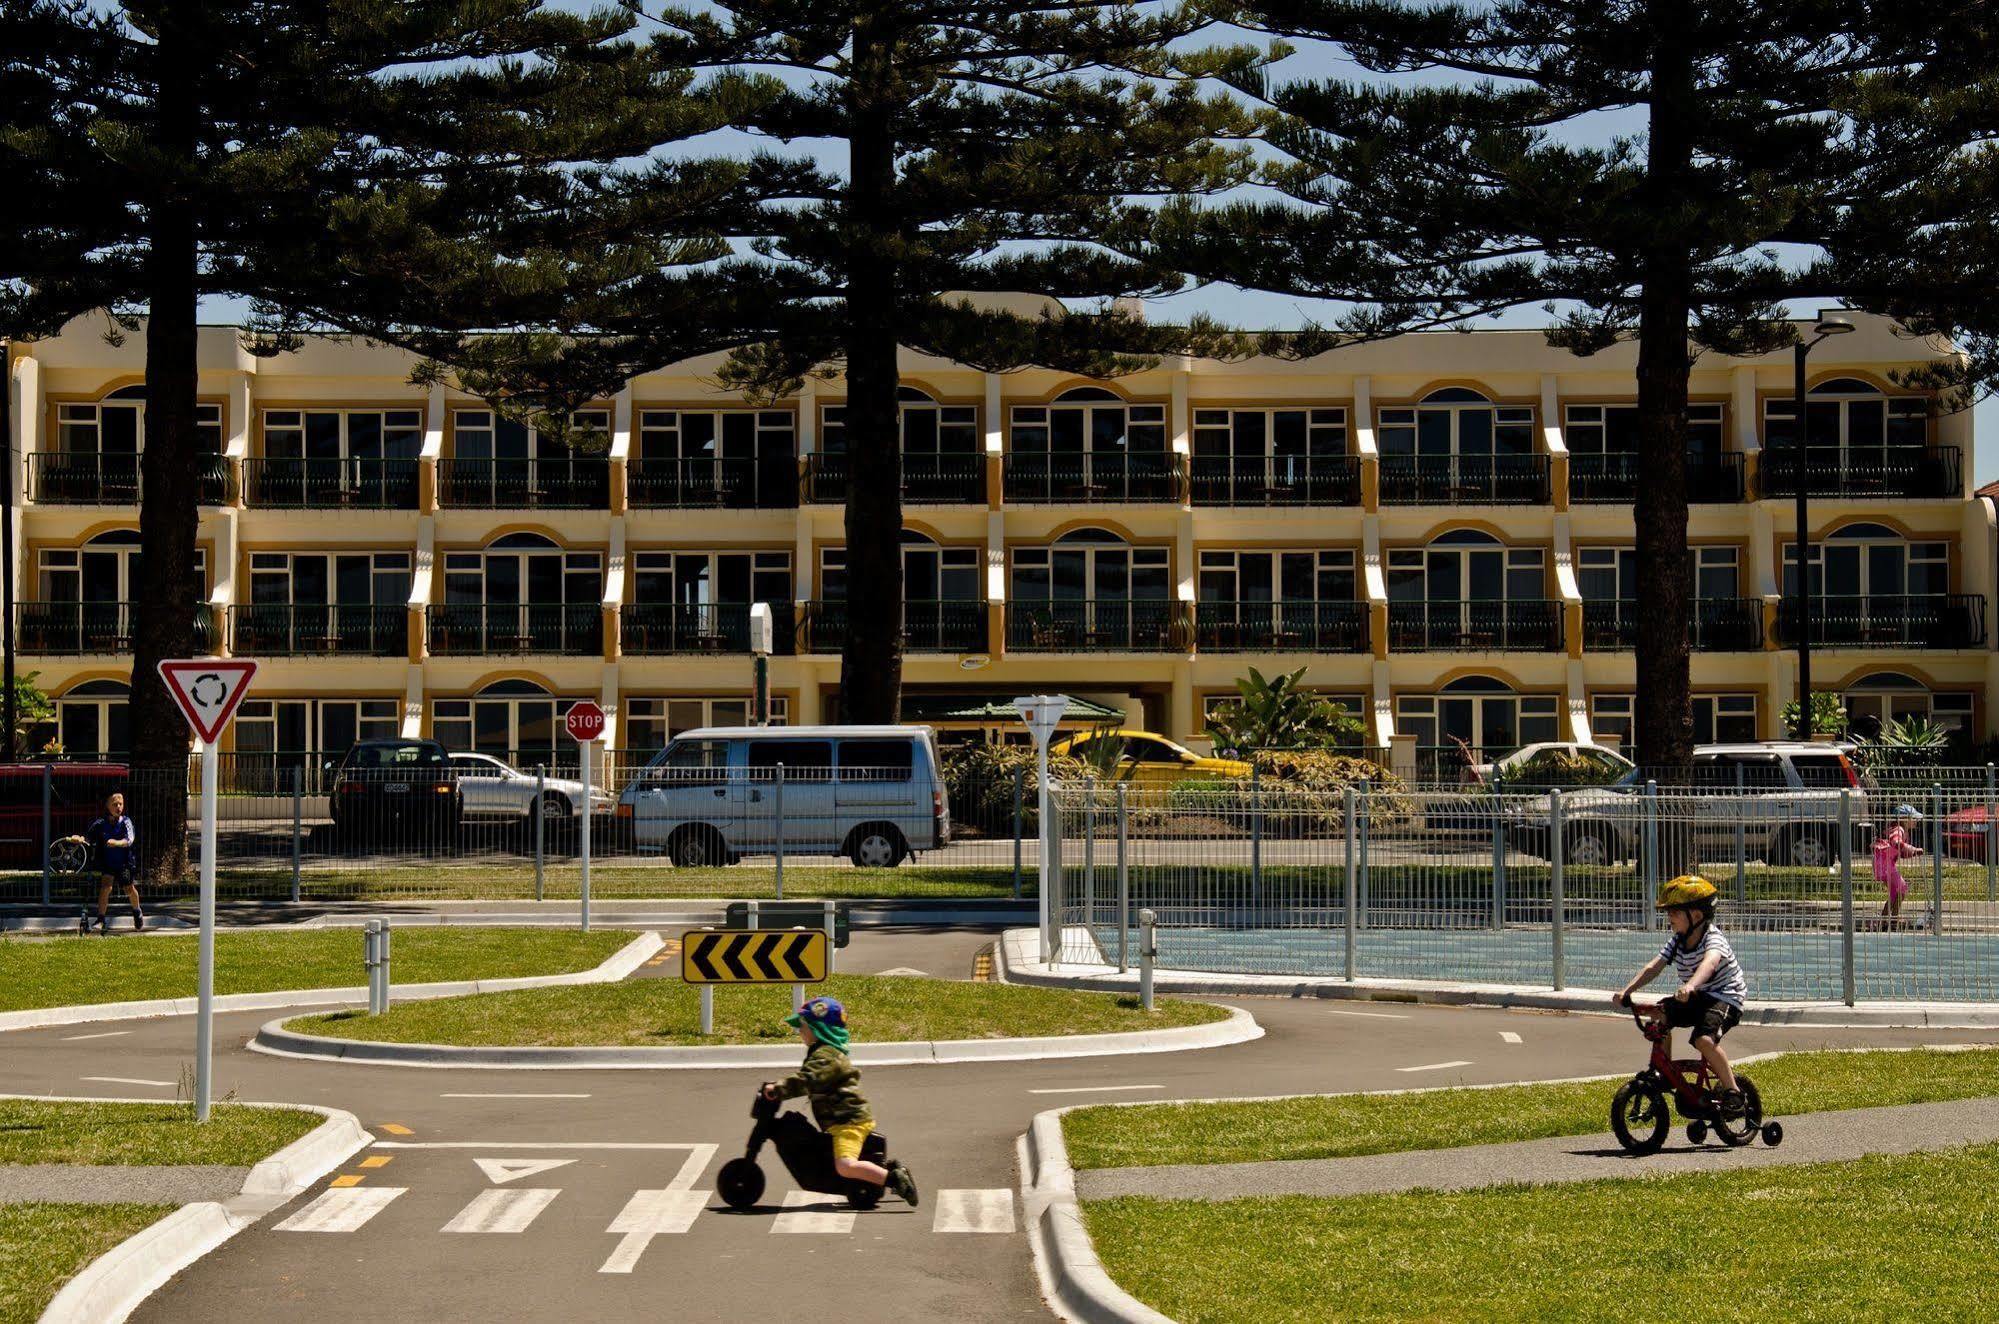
[(834, 1084)]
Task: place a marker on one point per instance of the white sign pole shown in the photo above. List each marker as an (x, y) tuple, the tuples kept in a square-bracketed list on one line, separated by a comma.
[(204, 1019), (583, 836), (1047, 886)]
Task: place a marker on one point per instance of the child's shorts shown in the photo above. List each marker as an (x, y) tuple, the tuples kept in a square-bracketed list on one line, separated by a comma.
[(1702, 1013), (848, 1138)]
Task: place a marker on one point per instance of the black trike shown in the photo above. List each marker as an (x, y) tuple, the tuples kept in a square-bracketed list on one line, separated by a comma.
[(805, 1151)]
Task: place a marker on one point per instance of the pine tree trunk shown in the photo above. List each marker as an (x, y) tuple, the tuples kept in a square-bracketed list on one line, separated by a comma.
[(871, 664)]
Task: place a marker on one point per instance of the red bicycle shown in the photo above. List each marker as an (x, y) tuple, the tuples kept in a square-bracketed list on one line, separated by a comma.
[(1640, 1114)]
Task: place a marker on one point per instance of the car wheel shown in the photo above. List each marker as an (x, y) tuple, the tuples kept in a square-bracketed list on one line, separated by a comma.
[(555, 805), (1587, 849), (876, 846), (1809, 849), (696, 848)]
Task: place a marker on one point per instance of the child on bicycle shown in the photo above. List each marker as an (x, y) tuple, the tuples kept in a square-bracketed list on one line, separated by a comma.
[(1712, 988), (1890, 849), (829, 1077)]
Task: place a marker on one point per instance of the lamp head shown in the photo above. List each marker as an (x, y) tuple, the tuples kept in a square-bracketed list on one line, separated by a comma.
[(1833, 322)]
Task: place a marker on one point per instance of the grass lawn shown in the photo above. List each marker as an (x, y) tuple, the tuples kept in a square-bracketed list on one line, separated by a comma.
[(48, 1131), (1898, 1237), (69, 970), (666, 1011), (43, 1246), (1338, 1126)]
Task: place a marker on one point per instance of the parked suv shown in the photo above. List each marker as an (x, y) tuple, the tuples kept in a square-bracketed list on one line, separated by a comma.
[(872, 793), (399, 787), (1784, 794)]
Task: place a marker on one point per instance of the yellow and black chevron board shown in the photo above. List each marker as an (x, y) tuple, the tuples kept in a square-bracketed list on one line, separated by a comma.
[(757, 956)]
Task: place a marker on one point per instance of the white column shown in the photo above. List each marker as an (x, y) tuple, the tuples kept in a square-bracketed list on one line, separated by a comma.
[(28, 408), (1748, 434), (424, 566), (241, 388), (1576, 698), (808, 416), (433, 424), (1383, 701), (994, 419), (1363, 416), (1551, 416), (413, 702), (621, 425), (1565, 562), (1765, 558), (1373, 573)]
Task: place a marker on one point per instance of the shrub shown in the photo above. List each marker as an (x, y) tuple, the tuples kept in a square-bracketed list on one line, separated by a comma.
[(980, 777), (1320, 779)]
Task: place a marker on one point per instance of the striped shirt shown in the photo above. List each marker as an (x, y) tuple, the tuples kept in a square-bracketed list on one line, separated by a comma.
[(1727, 984)]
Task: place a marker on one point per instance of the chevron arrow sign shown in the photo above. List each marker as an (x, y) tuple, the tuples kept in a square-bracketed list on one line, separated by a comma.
[(768, 956)]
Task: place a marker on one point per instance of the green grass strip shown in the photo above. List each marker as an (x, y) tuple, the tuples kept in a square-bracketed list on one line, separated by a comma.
[(1339, 1126), (1887, 1237), (51, 1131), (43, 1246)]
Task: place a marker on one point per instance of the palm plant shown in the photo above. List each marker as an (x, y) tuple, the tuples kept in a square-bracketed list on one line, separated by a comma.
[(1276, 713)]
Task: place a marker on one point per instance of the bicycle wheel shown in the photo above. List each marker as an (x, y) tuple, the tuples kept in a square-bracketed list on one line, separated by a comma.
[(1639, 1116), (1739, 1131)]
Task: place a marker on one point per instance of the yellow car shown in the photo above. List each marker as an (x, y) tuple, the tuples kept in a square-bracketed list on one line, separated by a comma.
[(1146, 758)]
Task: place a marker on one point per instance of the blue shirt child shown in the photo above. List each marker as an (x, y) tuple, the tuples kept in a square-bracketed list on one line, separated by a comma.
[(102, 832)]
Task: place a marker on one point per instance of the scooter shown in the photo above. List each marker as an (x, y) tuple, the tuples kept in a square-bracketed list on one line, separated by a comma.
[(805, 1151)]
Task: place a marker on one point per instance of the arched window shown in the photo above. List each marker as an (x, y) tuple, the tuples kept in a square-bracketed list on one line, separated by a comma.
[(522, 594), (1088, 445), (931, 574), (1851, 414), (1868, 560), (1875, 700), (516, 721), (104, 569), (92, 719), (499, 463), (1483, 712), (930, 431), (1090, 588), (1088, 395), (1456, 421), (1465, 565), (521, 542)]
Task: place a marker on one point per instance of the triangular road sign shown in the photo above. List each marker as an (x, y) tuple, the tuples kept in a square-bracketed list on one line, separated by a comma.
[(500, 1171), (207, 690)]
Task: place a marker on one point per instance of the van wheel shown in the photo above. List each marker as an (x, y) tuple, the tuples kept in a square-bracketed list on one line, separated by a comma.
[(876, 846), (696, 848)]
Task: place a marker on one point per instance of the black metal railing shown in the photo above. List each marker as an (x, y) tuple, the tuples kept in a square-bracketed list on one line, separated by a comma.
[(1718, 625), (1613, 479), (332, 484), (279, 629), (1464, 480), (1089, 478), (701, 482), (1517, 624), (1124, 625), (74, 629), (657, 628), (950, 626), (1282, 627), (581, 482), (1937, 620), (1864, 471), (84, 478), (1275, 480), (933, 480), (461, 628)]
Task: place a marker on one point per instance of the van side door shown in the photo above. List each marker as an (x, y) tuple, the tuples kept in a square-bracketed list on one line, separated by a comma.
[(809, 820), (878, 784)]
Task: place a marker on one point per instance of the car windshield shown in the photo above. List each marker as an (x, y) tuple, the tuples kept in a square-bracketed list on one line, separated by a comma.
[(399, 756)]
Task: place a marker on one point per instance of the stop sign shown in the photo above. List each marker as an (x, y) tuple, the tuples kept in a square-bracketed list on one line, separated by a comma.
[(585, 721)]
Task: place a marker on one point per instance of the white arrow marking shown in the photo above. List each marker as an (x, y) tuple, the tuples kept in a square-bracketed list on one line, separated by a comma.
[(905, 970), (649, 1214), (500, 1171)]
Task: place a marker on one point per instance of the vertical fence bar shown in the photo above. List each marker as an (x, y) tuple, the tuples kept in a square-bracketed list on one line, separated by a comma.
[(388, 952), (1936, 859), (540, 825), (1557, 958), (1019, 800), (1741, 845), (1090, 856), (1359, 903), (1846, 895), (1256, 844), (48, 828), (1649, 884), (1498, 863), (1123, 876), (1348, 887), (777, 809), (298, 824)]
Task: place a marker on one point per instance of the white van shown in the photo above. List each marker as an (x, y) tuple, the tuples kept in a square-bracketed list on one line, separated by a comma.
[(872, 793)]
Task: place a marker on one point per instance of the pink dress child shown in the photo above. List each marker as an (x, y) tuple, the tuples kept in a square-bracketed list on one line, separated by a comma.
[(1890, 849)]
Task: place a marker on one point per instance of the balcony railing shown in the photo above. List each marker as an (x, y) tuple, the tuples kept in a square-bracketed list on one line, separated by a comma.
[(1464, 480), (571, 483), (1939, 620), (462, 628), (332, 484), (1719, 625), (1613, 479), (76, 629), (1865, 471), (952, 626), (1281, 627), (1276, 480), (277, 629), (1120, 625), (1091, 478), (929, 480), (86, 478), (656, 628), (707, 482), (1515, 625)]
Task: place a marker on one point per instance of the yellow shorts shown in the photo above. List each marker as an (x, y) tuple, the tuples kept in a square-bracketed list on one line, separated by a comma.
[(847, 1138)]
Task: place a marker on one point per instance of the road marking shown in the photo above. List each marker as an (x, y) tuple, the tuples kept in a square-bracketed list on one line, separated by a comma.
[(1369, 1015), (1434, 1066), (397, 1129), (698, 1156), (1507, 1036), (808, 1211), (513, 1096), (904, 970), (345, 1180), (106, 1034), (500, 1171), (379, 1161), (129, 1080), (649, 1214), (503, 1210), (341, 1211), (974, 1211), (1098, 1089)]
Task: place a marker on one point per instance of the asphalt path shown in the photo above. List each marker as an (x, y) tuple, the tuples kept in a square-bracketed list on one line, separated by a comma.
[(474, 1233)]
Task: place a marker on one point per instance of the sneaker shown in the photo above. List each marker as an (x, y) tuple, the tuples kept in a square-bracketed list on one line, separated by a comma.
[(902, 1183), (1730, 1104), (138, 921), (104, 924)]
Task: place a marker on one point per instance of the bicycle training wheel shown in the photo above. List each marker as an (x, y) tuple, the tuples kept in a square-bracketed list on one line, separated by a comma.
[(1739, 1131), (1639, 1117)]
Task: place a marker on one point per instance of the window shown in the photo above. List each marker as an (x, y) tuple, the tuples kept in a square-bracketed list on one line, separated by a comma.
[(690, 579), (515, 721), (929, 573), (1716, 571), (325, 578), (117, 426), (877, 760), (92, 719), (1607, 574), (1282, 436), (105, 569), (651, 723), (1724, 719), (1753, 772), (1613, 717), (1612, 429), (343, 434), (523, 569), (1851, 414), (1871, 560), (1280, 576), (1483, 712), (1090, 564), (667, 435), (1456, 421), (695, 763), (482, 434), (276, 736), (1466, 566), (1089, 419), (1874, 701), (928, 428), (802, 760)]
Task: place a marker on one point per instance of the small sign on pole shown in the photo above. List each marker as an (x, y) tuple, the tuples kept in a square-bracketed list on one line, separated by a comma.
[(585, 723), (760, 643), (1042, 713)]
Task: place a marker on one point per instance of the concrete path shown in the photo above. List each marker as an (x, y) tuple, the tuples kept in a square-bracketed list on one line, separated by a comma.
[(1812, 1138), (74, 1183)]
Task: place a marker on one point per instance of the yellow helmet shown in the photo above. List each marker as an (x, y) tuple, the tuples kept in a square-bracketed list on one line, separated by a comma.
[(1686, 890)]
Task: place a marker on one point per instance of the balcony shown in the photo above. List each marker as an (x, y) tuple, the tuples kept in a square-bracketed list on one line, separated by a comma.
[(1939, 620), (1527, 625), (1276, 480), (710, 482), (320, 629), (331, 484), (927, 480), (1720, 625), (1091, 478), (1464, 480), (79, 629), (1873, 471), (654, 629), (1117, 625), (1613, 479), (955, 626), (86, 478), (460, 629), (570, 483), (1280, 627)]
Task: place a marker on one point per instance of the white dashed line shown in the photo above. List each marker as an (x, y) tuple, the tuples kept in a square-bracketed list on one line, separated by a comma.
[(129, 1080), (974, 1211), (809, 1211), (1508, 1036), (1370, 1015), (344, 1210), (104, 1034), (504, 1209), (1098, 1089), (513, 1096), (1434, 1066)]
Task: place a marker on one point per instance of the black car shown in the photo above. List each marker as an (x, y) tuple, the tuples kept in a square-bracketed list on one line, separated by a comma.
[(403, 790)]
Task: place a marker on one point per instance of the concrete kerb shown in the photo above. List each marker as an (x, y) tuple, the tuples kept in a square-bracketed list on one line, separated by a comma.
[(616, 967), (112, 1286), (278, 1040), (1020, 963)]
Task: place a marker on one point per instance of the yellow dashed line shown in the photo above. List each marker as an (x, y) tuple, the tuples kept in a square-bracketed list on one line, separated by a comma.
[(397, 1129), (347, 1179), (378, 1161)]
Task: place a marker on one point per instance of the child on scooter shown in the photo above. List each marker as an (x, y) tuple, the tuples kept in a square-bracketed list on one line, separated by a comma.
[(1712, 988), (828, 1076), (1890, 849)]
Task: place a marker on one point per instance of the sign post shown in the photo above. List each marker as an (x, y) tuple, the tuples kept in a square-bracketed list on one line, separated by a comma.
[(760, 641), (1041, 713), (585, 722), (207, 691)]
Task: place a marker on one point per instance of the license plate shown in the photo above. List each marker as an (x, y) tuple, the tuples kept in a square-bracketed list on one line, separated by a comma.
[(397, 788)]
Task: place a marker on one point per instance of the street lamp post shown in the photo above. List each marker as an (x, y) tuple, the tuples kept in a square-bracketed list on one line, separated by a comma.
[(1830, 323)]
